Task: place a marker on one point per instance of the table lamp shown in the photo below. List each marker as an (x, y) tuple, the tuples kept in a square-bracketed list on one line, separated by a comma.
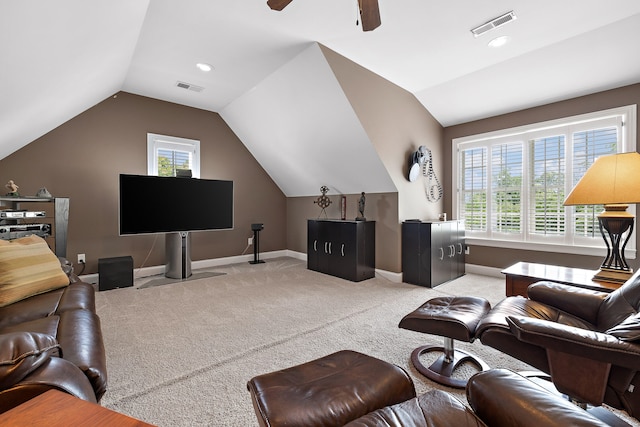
[(612, 181)]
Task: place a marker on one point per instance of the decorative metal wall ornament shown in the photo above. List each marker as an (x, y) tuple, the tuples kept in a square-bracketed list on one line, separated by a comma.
[(421, 162), (323, 201), (432, 186)]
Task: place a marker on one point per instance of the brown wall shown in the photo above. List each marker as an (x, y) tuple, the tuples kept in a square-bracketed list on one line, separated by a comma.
[(501, 258), (397, 124), (83, 158)]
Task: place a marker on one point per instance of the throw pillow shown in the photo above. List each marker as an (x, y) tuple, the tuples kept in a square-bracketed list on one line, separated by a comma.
[(27, 268), (628, 330)]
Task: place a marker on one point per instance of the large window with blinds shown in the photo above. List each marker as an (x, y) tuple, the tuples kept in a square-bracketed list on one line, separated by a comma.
[(166, 154), (511, 184)]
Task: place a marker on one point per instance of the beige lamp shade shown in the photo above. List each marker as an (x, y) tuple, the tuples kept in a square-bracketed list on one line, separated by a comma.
[(613, 179)]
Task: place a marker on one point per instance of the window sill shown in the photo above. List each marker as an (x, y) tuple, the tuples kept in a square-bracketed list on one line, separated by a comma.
[(546, 247)]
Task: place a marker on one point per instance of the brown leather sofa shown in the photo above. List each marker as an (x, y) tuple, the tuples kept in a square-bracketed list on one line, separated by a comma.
[(588, 341), (52, 341)]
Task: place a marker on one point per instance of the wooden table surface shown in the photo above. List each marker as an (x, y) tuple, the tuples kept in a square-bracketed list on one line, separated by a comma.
[(57, 409), (520, 275)]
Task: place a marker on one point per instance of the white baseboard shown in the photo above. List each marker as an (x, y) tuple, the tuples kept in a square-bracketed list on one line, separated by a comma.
[(297, 255), (469, 268), (195, 265), (483, 270), (390, 275), (216, 262)]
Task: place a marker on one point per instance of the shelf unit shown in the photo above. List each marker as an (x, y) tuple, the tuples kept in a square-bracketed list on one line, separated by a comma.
[(56, 215)]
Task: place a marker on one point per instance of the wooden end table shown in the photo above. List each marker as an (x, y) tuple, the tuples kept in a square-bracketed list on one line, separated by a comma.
[(520, 275), (58, 409)]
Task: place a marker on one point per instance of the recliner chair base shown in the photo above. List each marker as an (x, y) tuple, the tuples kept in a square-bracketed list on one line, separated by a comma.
[(441, 371), (452, 317)]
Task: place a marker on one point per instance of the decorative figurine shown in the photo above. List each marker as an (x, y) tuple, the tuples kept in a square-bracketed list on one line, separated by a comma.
[(323, 201), (361, 203), (13, 188), (43, 192)]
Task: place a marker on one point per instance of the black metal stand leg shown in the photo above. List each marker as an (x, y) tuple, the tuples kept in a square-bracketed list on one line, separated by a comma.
[(256, 248)]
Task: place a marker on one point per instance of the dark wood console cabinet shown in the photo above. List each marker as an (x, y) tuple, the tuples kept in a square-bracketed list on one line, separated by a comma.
[(345, 249), (432, 252)]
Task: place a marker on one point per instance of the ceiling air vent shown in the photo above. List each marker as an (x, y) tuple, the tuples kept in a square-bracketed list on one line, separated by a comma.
[(494, 23), (189, 86)]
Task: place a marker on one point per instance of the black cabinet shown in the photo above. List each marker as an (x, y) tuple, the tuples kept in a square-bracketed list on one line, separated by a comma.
[(432, 252), (344, 249)]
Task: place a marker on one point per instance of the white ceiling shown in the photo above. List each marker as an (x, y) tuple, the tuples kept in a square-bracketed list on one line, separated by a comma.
[(59, 58)]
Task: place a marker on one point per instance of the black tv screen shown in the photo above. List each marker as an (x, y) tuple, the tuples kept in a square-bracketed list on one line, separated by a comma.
[(153, 204)]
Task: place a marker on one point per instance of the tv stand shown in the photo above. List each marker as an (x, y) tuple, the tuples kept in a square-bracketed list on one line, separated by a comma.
[(178, 255)]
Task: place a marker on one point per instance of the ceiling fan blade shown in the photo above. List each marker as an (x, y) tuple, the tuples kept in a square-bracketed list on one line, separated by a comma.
[(369, 14), (278, 4)]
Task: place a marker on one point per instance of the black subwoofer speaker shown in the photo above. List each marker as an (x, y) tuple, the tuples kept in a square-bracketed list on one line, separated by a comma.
[(115, 272)]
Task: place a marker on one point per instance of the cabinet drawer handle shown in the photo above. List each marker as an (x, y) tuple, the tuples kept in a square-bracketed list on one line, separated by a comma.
[(452, 251), (315, 245), (460, 250), (441, 254), (342, 249), (330, 243), (325, 247)]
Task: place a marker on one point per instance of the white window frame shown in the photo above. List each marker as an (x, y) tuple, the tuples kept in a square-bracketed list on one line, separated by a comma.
[(157, 142), (581, 246)]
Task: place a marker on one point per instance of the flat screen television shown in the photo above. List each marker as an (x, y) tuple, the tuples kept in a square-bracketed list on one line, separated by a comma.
[(153, 204)]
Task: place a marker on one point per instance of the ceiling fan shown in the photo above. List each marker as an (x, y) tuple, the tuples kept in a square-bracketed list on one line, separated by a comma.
[(369, 12)]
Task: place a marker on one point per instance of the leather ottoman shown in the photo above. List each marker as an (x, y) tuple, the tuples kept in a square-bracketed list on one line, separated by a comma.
[(329, 391)]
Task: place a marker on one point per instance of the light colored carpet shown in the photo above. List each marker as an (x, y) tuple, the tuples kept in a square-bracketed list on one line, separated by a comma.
[(160, 281), (181, 354)]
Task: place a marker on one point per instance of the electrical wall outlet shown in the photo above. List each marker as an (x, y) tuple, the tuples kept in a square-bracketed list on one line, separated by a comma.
[(250, 241), (81, 259), (467, 250)]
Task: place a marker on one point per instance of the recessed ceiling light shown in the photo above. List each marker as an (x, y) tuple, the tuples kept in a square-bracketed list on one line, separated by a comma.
[(204, 67), (499, 41)]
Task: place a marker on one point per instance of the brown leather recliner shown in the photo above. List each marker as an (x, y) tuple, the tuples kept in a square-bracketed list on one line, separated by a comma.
[(587, 341)]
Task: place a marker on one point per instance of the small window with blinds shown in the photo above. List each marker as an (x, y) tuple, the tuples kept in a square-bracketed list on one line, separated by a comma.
[(511, 184), (168, 154)]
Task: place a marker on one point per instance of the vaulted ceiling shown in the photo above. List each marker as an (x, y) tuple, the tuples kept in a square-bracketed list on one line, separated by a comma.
[(59, 58)]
